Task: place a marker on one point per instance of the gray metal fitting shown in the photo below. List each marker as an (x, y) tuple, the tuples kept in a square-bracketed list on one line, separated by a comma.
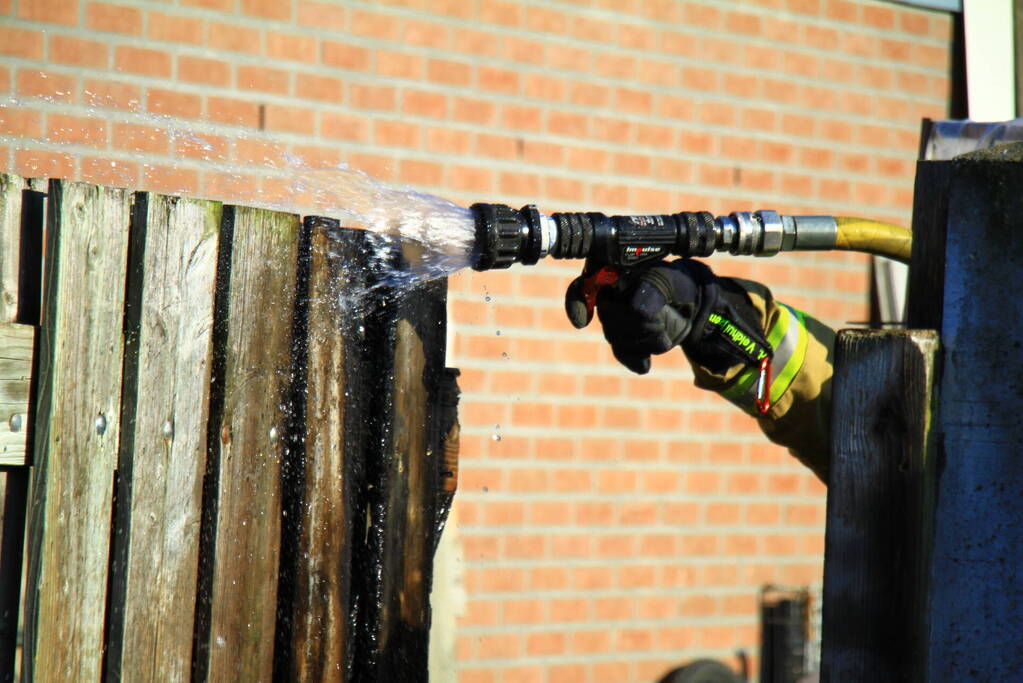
[(773, 232), (749, 234)]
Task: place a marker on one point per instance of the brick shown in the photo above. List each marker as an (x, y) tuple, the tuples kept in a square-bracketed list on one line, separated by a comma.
[(381, 98), (201, 147), (142, 61), (68, 50), (424, 103), (101, 16), (22, 123), (344, 127), (500, 12), (50, 11), (217, 5), (375, 25), (545, 644), (323, 88), (170, 180), (267, 9), (376, 166), (399, 64), (426, 34), (258, 152), (111, 95), (493, 79), (233, 112), (204, 71), (177, 29), (40, 163), (16, 42), (290, 46), (173, 103), (139, 138), (234, 38), (264, 79), (75, 130), (46, 84), (320, 15), (345, 56), (113, 173), (448, 72), (289, 119)]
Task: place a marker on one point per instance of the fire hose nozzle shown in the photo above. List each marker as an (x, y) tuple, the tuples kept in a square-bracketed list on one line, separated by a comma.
[(505, 236)]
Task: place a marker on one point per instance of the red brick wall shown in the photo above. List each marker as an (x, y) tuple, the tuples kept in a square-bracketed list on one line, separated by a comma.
[(621, 524)]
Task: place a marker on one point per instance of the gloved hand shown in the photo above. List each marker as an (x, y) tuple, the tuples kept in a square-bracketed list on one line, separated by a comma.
[(662, 304)]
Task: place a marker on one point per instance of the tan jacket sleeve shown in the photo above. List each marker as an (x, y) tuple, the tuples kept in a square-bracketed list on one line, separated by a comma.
[(799, 417)]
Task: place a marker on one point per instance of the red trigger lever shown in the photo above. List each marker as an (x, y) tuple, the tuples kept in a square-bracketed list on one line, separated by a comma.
[(608, 275)]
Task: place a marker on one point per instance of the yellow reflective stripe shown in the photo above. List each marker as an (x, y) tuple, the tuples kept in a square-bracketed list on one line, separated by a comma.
[(746, 379), (783, 379), (788, 342)]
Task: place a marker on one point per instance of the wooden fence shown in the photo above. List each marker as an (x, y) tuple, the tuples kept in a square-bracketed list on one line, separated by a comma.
[(922, 577), (235, 442)]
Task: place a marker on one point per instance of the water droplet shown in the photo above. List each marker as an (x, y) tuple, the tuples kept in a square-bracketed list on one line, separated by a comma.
[(168, 430), (499, 333), (504, 354), (486, 489), (487, 298), (101, 424), (274, 435), (496, 437), (16, 422)]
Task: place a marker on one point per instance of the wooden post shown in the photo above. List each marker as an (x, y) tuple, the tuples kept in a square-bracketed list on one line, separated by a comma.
[(77, 431), (169, 321), (251, 375), (881, 445), (976, 601)]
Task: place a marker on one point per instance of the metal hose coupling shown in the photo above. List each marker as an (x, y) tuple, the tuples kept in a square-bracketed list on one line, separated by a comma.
[(505, 236)]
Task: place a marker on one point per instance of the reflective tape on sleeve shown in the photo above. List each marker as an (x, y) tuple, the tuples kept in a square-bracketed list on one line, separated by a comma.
[(788, 339)]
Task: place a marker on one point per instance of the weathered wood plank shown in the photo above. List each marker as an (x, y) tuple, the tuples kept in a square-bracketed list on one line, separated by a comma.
[(324, 480), (927, 269), (406, 480), (11, 188), (77, 430), (169, 321), (877, 526), (21, 230), (16, 351), (252, 368)]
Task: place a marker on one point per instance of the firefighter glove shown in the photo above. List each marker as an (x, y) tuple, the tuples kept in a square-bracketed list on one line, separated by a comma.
[(656, 306)]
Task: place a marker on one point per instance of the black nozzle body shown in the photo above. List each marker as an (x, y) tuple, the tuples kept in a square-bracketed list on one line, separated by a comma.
[(505, 236)]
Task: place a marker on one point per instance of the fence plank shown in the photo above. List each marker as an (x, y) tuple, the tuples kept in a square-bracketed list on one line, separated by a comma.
[(21, 230), (326, 474), (242, 523), (874, 557), (77, 431), (16, 351), (11, 188), (406, 480), (169, 321)]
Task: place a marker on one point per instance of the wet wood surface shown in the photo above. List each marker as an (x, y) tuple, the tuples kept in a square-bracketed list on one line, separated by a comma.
[(877, 522), (77, 430), (163, 455), (252, 373), (324, 481)]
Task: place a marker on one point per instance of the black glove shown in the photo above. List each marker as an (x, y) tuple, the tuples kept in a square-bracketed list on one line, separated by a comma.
[(662, 304)]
